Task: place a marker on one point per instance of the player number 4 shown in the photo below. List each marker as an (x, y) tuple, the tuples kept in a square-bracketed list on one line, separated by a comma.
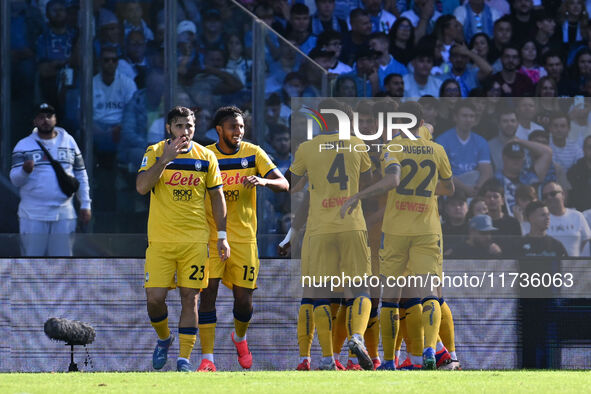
[(337, 173)]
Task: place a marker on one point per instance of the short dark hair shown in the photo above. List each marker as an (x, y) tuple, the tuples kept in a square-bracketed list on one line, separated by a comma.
[(223, 113), (390, 76), (492, 185), (538, 133), (550, 54), (533, 206), (332, 123), (414, 108), (511, 46), (505, 109), (327, 36), (463, 104), (505, 19), (524, 191), (558, 115), (300, 9), (357, 12), (178, 112), (378, 35)]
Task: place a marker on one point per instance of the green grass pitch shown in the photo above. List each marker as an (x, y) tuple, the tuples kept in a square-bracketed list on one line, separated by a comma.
[(300, 382)]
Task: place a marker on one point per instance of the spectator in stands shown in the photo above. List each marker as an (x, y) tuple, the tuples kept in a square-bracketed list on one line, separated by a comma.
[(522, 18), (281, 147), (325, 20), (188, 61), (344, 7), (47, 217), (109, 35), (513, 84), (314, 74), (455, 215), (545, 38), (394, 85), (493, 192), (133, 21), (365, 73), (529, 65), (565, 152), (579, 176), (423, 17), (467, 75), (357, 38), (481, 44), (287, 62), (566, 224), (293, 86), (476, 207), (277, 112), (345, 86), (135, 65), (54, 49), (524, 194), (556, 173), (380, 43), (421, 82), (547, 89), (381, 20), (468, 152), (402, 40), (537, 242), (502, 34), (507, 128), (573, 18), (451, 91), (554, 67), (479, 243), (332, 41), (581, 71), (299, 30), (448, 31), (212, 36), (526, 113), (476, 17), (237, 62)]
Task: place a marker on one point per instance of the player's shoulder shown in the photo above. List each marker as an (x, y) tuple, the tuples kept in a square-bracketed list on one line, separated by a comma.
[(157, 147), (25, 143), (248, 148)]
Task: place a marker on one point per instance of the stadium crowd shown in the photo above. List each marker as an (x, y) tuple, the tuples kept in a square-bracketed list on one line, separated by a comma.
[(526, 65)]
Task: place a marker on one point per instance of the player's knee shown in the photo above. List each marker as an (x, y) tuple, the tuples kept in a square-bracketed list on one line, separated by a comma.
[(155, 299), (189, 297)]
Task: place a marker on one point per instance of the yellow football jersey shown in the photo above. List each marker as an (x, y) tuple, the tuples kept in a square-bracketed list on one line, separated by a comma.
[(241, 202), (411, 208), (177, 207), (333, 178)]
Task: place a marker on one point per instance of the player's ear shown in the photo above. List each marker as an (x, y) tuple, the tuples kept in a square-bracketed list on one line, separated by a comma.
[(219, 129)]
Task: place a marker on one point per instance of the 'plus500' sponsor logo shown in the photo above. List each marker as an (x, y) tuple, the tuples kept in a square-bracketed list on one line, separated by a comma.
[(177, 179)]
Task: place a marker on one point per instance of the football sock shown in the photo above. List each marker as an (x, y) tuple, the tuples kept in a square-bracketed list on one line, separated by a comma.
[(431, 321), (440, 346), (339, 329), (446, 329), (323, 321), (306, 327), (241, 322), (389, 324), (414, 326), (358, 315), (372, 334), (207, 324), (187, 337), (401, 331), (160, 325)]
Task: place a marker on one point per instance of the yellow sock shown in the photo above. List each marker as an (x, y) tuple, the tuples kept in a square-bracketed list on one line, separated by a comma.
[(414, 327), (431, 321), (389, 324), (358, 315), (187, 338), (401, 330), (160, 325), (323, 321), (207, 324), (372, 334), (240, 327), (446, 329), (306, 327), (339, 329)]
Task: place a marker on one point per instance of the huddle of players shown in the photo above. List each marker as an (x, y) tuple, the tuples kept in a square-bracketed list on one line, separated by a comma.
[(402, 241), (189, 214)]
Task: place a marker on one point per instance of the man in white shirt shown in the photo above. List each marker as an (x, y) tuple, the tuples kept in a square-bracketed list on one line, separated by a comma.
[(565, 152), (46, 215), (567, 225), (526, 112), (421, 82)]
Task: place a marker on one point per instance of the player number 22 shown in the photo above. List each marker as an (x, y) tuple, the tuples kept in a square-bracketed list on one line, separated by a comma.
[(336, 173), (421, 189), (248, 273), (197, 269)]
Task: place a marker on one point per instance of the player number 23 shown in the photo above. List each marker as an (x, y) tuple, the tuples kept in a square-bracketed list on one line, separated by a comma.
[(197, 269), (421, 189)]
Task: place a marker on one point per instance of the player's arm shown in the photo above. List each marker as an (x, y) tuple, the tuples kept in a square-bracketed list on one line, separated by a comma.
[(274, 180), (485, 170), (218, 207), (146, 180), (390, 180), (299, 219), (542, 157), (445, 187)]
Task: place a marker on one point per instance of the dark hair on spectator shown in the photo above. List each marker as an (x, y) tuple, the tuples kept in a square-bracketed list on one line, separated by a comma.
[(488, 41), (550, 54), (300, 9), (444, 84), (341, 80), (364, 107), (492, 185), (463, 104), (411, 39), (505, 108), (511, 46), (534, 206), (110, 49), (178, 112), (428, 100), (525, 192), (487, 85), (477, 92), (541, 83), (378, 35), (327, 36), (441, 24), (503, 19), (558, 115), (576, 72), (472, 204), (332, 122), (224, 113), (538, 133), (356, 13), (276, 130), (390, 76), (412, 107), (293, 75), (542, 15), (384, 106)]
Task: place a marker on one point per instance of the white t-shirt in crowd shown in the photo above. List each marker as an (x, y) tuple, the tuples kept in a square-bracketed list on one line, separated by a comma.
[(571, 229), (109, 100)]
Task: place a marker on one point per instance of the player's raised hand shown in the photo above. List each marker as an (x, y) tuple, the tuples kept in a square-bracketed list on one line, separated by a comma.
[(253, 181), (349, 206), (223, 249), (173, 147)]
